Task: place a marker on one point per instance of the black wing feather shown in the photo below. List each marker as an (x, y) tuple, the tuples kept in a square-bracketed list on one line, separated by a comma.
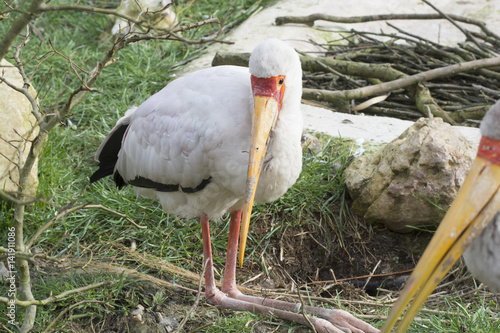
[(109, 154)]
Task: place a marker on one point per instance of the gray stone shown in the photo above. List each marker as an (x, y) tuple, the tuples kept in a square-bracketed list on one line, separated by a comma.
[(310, 144), (18, 127), (412, 180), (169, 324)]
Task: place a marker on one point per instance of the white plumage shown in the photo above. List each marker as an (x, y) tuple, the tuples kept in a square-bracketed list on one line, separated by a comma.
[(198, 127), (482, 257)]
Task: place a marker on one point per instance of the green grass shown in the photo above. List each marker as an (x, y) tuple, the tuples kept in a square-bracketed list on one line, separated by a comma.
[(317, 202), (460, 316)]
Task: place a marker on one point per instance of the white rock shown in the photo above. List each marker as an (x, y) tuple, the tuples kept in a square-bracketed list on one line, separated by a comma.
[(17, 128), (413, 179)]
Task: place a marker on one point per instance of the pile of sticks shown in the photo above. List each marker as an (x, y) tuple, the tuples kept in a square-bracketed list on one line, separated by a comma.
[(467, 95)]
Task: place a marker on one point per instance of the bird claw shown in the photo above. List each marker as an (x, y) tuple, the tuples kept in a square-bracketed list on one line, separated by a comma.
[(339, 321)]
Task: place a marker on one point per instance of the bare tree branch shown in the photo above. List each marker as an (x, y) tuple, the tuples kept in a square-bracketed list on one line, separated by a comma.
[(17, 26), (58, 297)]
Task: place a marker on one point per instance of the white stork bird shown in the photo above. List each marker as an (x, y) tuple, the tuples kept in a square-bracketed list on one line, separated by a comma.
[(199, 146), (473, 219)]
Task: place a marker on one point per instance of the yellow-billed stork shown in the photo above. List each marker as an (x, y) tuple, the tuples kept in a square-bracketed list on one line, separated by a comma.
[(471, 226), (199, 146)]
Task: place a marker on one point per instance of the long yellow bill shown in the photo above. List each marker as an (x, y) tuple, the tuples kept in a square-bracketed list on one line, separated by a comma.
[(266, 109), (476, 204)]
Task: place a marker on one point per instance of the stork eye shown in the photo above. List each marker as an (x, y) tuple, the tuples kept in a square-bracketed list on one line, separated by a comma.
[(281, 81)]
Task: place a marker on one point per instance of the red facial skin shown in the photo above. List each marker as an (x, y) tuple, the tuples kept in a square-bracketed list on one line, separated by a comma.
[(489, 149), (269, 86)]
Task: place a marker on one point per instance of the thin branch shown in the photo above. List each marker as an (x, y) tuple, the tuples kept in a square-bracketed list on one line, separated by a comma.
[(371, 274), (58, 297), (196, 301), (333, 71), (71, 63), (35, 109), (78, 94), (303, 311), (29, 256), (17, 26), (113, 12), (27, 94), (8, 197), (465, 32), (360, 277)]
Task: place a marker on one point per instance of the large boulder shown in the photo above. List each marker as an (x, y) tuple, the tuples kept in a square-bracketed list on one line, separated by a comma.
[(411, 181), (18, 127)]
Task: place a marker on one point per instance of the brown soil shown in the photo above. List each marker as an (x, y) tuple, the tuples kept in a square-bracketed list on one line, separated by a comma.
[(311, 254)]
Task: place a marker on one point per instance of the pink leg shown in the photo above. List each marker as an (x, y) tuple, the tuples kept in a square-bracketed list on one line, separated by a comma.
[(229, 282), (210, 288), (334, 321)]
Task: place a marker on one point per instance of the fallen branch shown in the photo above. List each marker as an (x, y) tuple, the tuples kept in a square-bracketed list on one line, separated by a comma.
[(310, 19), (195, 304)]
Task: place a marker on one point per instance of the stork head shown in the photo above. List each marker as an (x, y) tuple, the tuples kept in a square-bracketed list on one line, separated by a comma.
[(276, 77), (476, 204)]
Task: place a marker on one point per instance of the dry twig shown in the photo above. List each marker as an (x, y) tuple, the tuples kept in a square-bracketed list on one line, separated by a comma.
[(196, 301)]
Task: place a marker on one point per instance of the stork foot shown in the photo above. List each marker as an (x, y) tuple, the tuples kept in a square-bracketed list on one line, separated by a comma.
[(330, 321)]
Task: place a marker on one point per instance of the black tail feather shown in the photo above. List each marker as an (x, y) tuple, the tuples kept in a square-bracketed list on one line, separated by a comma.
[(109, 155)]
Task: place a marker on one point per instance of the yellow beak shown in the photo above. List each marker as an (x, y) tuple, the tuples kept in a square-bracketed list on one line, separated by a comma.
[(476, 204), (265, 114)]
